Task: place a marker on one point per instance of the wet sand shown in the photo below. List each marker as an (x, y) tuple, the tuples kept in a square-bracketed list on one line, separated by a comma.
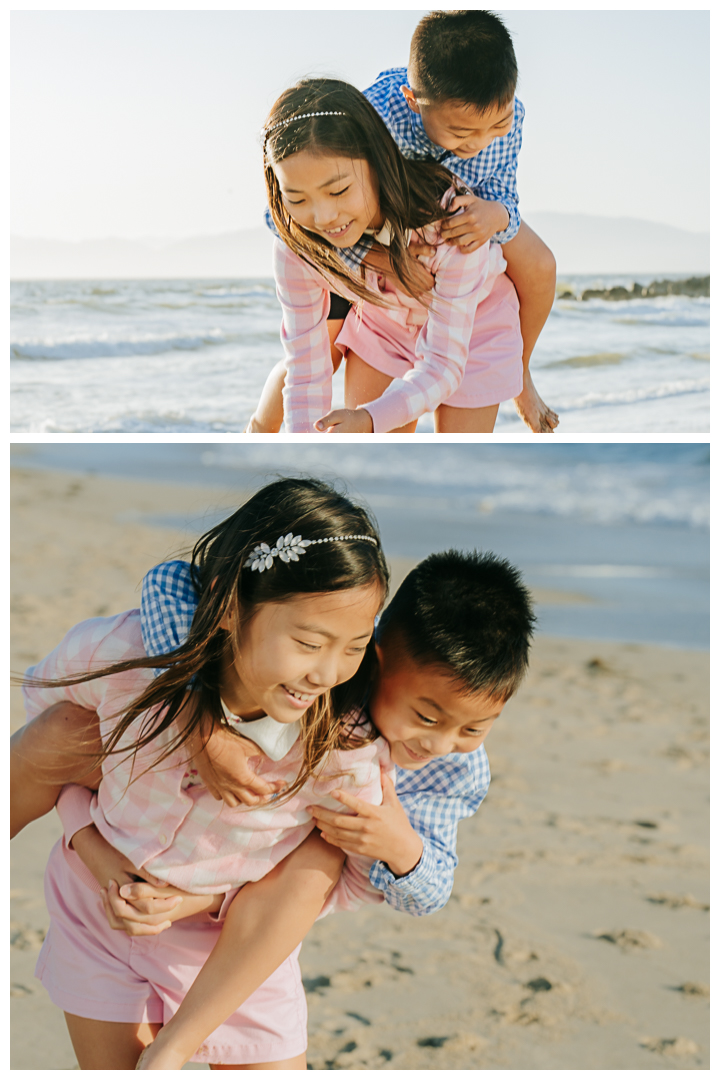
[(577, 933)]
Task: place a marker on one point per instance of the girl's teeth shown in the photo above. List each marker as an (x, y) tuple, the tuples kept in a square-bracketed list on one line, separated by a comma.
[(299, 697), (332, 232)]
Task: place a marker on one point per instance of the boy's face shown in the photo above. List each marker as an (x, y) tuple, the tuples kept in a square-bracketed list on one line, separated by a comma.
[(459, 127), (423, 713)]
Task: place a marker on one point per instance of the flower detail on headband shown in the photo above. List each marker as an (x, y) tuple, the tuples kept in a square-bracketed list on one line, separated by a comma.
[(303, 116), (289, 548)]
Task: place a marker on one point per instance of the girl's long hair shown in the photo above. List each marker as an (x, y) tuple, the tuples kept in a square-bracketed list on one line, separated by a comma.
[(306, 507), (410, 191)]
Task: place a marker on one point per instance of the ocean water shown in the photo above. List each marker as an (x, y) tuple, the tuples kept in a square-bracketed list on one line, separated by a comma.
[(192, 356), (622, 530)]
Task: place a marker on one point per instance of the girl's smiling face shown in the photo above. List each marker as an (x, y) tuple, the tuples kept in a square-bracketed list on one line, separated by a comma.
[(287, 654), (335, 197)]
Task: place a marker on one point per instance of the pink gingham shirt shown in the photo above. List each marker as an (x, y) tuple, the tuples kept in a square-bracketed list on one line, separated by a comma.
[(442, 335), (182, 835)]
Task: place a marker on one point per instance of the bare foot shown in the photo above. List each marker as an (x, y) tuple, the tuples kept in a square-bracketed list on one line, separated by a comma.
[(533, 410)]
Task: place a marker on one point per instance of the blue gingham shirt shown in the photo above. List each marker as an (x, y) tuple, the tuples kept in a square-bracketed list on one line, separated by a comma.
[(435, 798), (491, 174)]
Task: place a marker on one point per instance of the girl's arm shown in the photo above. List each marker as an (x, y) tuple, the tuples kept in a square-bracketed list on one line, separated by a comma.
[(266, 921), (305, 300)]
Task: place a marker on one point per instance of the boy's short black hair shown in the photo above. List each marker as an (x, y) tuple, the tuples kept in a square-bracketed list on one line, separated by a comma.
[(467, 611), (465, 56)]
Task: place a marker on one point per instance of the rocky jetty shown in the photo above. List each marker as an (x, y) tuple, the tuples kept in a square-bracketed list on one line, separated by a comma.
[(694, 286)]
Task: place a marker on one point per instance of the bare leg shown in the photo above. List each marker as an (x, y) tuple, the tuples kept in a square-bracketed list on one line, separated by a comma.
[(268, 415), (101, 1044), (52, 750), (298, 1062), (531, 268), (449, 419), (265, 922), (364, 383)]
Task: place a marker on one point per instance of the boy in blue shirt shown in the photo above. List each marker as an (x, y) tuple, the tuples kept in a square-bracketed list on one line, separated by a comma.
[(455, 103)]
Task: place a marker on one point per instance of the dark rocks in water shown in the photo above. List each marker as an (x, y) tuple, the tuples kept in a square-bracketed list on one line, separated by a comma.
[(694, 286)]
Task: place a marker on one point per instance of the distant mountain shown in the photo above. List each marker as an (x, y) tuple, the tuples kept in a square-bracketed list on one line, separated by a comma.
[(582, 245)]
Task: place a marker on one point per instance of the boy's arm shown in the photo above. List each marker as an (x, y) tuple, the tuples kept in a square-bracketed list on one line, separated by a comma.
[(266, 921), (432, 801), (491, 211)]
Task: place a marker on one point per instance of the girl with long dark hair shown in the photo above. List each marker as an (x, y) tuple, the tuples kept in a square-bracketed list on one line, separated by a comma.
[(334, 173), (280, 650)]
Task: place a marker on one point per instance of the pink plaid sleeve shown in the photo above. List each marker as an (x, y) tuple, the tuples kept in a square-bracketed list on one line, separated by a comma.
[(305, 300), (441, 352)]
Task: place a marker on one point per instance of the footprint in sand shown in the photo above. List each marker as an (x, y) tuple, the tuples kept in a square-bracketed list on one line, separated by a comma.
[(672, 901), (698, 991), (25, 937), (629, 940), (680, 1047)]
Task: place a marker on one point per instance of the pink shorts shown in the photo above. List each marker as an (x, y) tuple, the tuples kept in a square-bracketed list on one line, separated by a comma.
[(92, 971), (493, 372)]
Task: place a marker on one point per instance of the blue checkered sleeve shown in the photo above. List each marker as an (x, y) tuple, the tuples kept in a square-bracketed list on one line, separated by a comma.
[(491, 174), (167, 606), (435, 799), (352, 256)]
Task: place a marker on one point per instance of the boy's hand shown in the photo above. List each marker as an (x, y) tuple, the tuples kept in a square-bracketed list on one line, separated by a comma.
[(107, 864), (227, 763), (380, 832), (477, 222), (346, 422)]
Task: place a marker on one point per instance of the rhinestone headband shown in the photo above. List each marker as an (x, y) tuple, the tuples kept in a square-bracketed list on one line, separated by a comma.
[(289, 548), (303, 116)]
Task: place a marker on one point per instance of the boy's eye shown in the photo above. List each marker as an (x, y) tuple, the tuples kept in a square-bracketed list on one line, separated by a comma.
[(425, 719), (309, 645)]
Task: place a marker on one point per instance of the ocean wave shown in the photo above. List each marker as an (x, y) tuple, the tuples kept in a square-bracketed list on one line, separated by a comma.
[(635, 396), (88, 349)]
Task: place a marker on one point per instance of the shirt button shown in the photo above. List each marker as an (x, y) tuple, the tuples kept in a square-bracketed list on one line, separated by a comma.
[(162, 838)]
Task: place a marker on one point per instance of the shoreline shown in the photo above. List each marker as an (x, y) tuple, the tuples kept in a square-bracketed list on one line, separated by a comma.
[(576, 936)]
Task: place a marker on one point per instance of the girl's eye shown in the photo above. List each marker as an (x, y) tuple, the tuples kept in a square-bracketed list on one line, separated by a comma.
[(337, 194), (289, 202), (308, 645)]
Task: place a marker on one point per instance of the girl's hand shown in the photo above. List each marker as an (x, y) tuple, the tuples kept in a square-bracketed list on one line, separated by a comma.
[(479, 220), (226, 766), (380, 832), (346, 422), (141, 909)]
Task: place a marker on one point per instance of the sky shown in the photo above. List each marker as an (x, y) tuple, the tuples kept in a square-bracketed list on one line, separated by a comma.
[(138, 124)]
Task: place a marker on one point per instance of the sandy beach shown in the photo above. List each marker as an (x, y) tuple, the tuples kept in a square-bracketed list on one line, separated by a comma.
[(577, 934)]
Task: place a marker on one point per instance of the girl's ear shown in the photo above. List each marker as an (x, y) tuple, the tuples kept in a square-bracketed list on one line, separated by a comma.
[(228, 620)]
